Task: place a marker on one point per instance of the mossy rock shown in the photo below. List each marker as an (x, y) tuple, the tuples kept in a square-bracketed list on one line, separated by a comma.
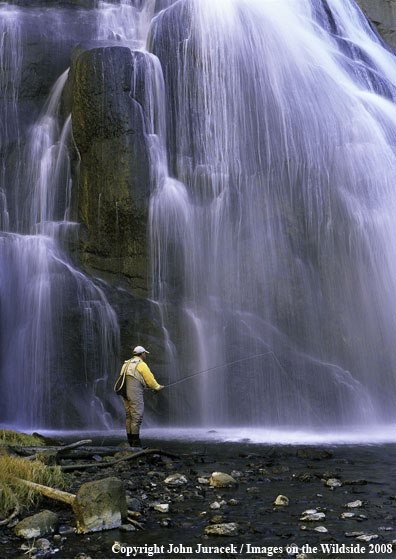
[(15, 438)]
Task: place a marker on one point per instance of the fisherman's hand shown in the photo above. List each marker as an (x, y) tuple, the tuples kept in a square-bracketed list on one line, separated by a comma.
[(161, 386)]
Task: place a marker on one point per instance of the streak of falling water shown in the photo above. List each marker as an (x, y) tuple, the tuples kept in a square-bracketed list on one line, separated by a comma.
[(273, 226), (53, 318)]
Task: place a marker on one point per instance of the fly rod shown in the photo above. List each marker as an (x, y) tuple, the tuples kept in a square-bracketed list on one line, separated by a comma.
[(218, 367)]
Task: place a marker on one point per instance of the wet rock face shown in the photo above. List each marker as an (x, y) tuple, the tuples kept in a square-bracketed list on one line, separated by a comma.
[(114, 189), (383, 14)]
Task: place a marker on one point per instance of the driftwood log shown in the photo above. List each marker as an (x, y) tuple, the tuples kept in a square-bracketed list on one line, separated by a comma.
[(83, 466), (82, 452), (50, 492), (49, 455)]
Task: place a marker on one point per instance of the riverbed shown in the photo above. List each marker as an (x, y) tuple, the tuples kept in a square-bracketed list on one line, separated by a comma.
[(340, 502)]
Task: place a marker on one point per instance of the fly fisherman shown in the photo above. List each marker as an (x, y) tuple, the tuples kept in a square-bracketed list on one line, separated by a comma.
[(138, 377)]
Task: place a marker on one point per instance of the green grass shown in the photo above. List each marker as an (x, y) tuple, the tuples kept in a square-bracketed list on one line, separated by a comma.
[(13, 438), (14, 494)]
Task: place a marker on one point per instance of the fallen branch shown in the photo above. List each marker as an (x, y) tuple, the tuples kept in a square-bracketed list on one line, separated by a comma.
[(71, 467), (52, 457), (50, 492), (81, 452), (64, 449), (135, 523)]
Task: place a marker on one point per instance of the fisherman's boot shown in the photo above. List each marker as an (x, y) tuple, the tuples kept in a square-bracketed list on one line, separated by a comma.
[(134, 440)]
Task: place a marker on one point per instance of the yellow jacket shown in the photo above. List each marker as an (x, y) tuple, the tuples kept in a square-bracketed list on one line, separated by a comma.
[(136, 364)]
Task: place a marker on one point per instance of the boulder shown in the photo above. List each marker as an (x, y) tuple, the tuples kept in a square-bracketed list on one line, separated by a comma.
[(100, 505), (38, 525)]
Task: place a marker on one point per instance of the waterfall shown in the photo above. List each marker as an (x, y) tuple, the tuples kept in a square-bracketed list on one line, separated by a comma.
[(270, 128), (273, 235), (53, 318), (10, 77)]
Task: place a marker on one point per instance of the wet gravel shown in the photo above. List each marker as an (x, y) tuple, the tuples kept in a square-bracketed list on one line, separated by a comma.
[(340, 502)]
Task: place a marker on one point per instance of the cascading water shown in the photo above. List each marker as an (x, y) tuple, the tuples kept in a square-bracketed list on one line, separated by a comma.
[(40, 289), (276, 232), (270, 128)]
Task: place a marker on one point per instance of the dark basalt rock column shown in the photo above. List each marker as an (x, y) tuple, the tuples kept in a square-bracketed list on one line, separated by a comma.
[(114, 186)]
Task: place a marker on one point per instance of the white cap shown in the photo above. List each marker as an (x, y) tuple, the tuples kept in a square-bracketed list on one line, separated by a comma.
[(139, 349)]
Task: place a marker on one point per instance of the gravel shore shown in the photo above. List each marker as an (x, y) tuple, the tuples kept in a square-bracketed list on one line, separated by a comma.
[(331, 502)]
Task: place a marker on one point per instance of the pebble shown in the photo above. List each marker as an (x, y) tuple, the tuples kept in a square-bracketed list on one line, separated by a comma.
[(43, 543), (226, 529), (175, 479), (333, 482), (161, 507), (312, 515), (237, 473), (353, 534), (65, 530), (127, 528), (321, 529), (347, 515), (281, 501), (215, 505), (354, 504), (366, 537)]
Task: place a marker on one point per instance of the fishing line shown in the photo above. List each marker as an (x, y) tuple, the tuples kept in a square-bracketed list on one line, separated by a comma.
[(218, 367)]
